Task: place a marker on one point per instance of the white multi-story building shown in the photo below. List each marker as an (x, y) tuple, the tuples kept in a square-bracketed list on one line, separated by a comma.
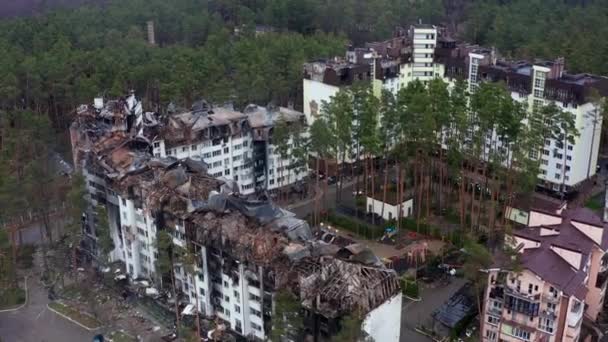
[(563, 166), (424, 54), (422, 64)]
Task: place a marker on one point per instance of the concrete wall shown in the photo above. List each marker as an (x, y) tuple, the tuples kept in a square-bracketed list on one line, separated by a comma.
[(527, 244), (572, 329), (317, 92), (235, 297), (390, 211), (542, 219), (384, 322), (517, 215), (274, 163), (586, 143), (139, 236), (595, 296)]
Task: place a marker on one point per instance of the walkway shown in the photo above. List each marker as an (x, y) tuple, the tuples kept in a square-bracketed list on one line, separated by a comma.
[(35, 323), (414, 314)]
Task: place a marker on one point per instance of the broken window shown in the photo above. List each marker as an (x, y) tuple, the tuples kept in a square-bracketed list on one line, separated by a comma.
[(254, 297), (255, 312)]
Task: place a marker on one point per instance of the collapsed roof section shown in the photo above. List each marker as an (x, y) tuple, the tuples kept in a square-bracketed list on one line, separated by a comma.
[(104, 127), (168, 185), (329, 280), (334, 287), (263, 119), (201, 123)]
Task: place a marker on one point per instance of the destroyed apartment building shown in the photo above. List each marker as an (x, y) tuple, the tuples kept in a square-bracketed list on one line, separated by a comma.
[(236, 146), (246, 249)]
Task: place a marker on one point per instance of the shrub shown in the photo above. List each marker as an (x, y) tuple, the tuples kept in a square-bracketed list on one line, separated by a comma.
[(410, 288), (11, 297), (423, 228), (355, 226), (360, 201), (456, 238)]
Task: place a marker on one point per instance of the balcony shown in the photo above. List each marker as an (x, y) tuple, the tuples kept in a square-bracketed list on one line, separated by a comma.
[(497, 292), (551, 298), (520, 303), (548, 314), (521, 295), (494, 311), (575, 314)]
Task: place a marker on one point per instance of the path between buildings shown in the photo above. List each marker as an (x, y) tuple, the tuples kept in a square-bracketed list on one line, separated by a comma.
[(414, 314), (306, 207), (35, 323)]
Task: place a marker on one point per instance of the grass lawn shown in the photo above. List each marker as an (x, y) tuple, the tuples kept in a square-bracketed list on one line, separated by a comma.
[(11, 298), (84, 319), (119, 336), (595, 203)]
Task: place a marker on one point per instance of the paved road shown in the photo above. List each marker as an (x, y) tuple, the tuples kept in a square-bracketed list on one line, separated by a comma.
[(414, 314), (35, 323), (306, 207)]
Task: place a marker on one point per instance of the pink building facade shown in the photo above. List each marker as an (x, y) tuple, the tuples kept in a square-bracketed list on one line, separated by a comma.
[(557, 280)]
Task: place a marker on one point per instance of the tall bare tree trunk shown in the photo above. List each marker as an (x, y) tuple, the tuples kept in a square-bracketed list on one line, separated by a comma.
[(340, 170), (384, 188), (399, 194), (481, 195), (366, 179), (428, 188), (373, 189), (441, 176), (509, 193), (462, 196), (177, 324), (316, 214), (326, 185), (419, 189)]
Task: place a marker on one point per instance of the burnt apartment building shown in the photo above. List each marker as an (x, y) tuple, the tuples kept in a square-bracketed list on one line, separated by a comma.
[(245, 249)]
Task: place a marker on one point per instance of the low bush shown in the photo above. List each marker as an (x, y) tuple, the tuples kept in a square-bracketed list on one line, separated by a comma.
[(11, 297), (355, 226), (410, 287)]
